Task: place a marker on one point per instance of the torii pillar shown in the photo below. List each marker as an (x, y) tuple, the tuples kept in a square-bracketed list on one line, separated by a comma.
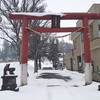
[(87, 54), (24, 52)]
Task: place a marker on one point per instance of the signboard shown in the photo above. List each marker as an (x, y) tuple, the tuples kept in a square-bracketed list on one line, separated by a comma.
[(55, 21)]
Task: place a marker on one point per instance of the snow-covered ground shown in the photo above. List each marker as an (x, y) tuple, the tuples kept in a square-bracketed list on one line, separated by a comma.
[(50, 85)]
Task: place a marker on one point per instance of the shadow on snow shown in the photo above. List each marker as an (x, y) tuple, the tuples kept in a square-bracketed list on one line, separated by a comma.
[(53, 76)]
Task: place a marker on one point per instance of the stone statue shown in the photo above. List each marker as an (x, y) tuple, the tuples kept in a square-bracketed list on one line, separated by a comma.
[(8, 69)]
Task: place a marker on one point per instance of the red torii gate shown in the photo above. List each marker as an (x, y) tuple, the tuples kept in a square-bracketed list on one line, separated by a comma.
[(63, 16)]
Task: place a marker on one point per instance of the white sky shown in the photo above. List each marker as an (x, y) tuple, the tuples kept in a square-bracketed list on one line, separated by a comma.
[(69, 6)]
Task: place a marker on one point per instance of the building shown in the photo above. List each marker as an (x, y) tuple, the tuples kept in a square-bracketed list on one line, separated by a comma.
[(74, 58)]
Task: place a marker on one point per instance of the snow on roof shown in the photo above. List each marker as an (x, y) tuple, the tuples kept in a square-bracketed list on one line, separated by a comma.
[(38, 14)]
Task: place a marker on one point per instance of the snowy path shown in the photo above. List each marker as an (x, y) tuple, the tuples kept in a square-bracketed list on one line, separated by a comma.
[(65, 85), (57, 86)]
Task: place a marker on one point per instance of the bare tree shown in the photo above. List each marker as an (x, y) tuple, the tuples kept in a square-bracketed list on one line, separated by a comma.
[(11, 29)]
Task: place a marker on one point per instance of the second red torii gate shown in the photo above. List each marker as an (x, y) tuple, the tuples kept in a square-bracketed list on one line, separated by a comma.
[(63, 16)]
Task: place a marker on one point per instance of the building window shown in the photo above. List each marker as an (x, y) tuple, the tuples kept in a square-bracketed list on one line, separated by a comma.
[(99, 30), (81, 37), (74, 42), (91, 32)]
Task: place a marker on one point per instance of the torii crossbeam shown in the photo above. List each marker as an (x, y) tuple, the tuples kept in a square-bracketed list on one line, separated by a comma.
[(48, 16)]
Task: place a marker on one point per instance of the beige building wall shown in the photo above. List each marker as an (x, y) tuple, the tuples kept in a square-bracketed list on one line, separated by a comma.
[(78, 50), (95, 43), (69, 60)]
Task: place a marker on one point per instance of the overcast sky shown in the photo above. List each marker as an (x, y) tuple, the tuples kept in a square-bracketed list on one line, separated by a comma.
[(69, 6)]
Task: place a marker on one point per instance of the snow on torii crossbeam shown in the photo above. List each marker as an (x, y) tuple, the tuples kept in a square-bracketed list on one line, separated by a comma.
[(48, 16)]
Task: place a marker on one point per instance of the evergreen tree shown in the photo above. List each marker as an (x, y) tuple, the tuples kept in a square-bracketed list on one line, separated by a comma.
[(52, 51), (5, 51), (64, 46), (8, 53)]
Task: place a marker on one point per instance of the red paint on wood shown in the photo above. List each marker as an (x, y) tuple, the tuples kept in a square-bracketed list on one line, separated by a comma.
[(24, 48), (87, 57), (67, 29), (84, 16), (49, 16)]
